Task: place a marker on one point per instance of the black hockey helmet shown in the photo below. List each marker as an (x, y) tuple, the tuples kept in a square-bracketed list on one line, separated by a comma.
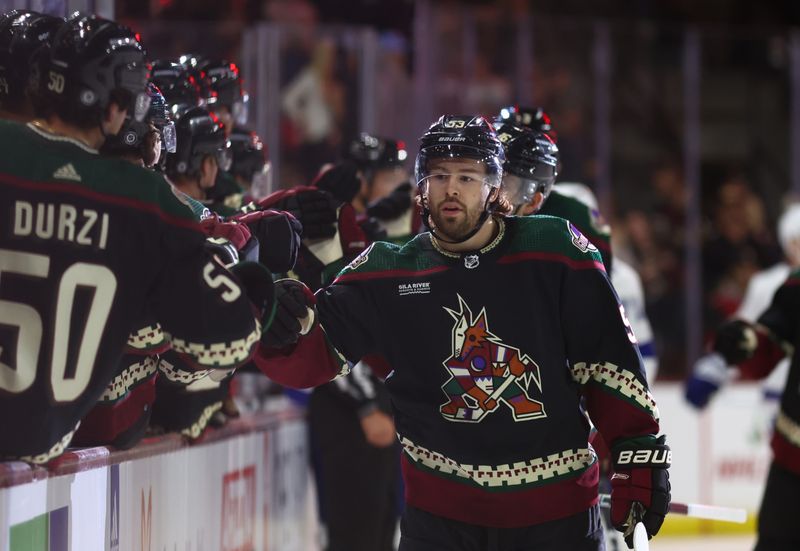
[(224, 87), (248, 152), (534, 118), (92, 61), (531, 163), (460, 137), (463, 137), (193, 63), (22, 33), (372, 152), (199, 134), (181, 90)]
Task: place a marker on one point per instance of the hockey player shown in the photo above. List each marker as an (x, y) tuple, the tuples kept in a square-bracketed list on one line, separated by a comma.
[(145, 142), (756, 348), (93, 245), (226, 98), (380, 163), (250, 166), (22, 34), (386, 198), (495, 327), (711, 372), (202, 150), (532, 193)]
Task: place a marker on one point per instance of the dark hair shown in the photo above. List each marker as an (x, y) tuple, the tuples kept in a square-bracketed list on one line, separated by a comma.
[(91, 117), (501, 205)]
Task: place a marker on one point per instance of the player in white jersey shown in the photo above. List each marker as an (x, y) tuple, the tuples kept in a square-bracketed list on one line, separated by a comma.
[(628, 285)]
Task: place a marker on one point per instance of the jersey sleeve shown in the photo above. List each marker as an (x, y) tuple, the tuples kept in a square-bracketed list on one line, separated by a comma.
[(347, 329), (783, 314), (775, 330), (198, 303), (603, 357)]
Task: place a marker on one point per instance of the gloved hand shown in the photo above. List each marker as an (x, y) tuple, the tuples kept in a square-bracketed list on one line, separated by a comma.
[(315, 209), (736, 341), (294, 314), (230, 241), (278, 234), (393, 205), (223, 249), (256, 281), (340, 180), (709, 374), (372, 229), (640, 489)]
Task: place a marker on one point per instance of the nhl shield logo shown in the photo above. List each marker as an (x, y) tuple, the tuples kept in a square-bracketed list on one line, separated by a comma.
[(471, 261), (485, 372)]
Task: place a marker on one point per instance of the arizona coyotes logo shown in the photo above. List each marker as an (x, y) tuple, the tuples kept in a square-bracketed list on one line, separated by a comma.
[(485, 372)]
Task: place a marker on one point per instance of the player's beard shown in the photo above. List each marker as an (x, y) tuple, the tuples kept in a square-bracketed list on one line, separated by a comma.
[(455, 228)]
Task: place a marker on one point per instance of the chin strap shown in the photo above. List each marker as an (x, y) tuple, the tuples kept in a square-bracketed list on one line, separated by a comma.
[(426, 213)]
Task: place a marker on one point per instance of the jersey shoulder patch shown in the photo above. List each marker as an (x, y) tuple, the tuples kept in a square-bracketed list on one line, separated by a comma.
[(378, 256), (551, 236)]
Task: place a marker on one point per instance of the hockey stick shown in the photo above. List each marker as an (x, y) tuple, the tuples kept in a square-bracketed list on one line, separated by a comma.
[(696, 510), (495, 396), (640, 540)]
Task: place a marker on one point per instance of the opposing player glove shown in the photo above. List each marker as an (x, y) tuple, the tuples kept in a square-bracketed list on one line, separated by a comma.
[(315, 209), (294, 314), (393, 205), (278, 234), (710, 373), (340, 180), (736, 341), (640, 489)]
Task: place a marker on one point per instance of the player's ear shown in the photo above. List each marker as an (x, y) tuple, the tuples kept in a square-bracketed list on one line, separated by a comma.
[(534, 205), (208, 171)]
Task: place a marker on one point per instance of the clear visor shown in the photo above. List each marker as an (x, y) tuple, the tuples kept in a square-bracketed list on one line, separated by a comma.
[(463, 163), (169, 138), (519, 191), (460, 178), (141, 105), (224, 157), (240, 110), (261, 183)]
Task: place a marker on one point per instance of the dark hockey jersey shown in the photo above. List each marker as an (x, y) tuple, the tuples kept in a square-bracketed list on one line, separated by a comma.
[(781, 338), (87, 246), (586, 219), (492, 352)]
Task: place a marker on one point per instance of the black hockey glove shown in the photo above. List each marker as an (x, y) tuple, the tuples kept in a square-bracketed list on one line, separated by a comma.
[(315, 209), (341, 180), (640, 489), (279, 235), (736, 341), (294, 314), (393, 205)]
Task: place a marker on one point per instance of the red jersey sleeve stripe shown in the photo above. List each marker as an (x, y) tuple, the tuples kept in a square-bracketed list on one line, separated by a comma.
[(359, 276)]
